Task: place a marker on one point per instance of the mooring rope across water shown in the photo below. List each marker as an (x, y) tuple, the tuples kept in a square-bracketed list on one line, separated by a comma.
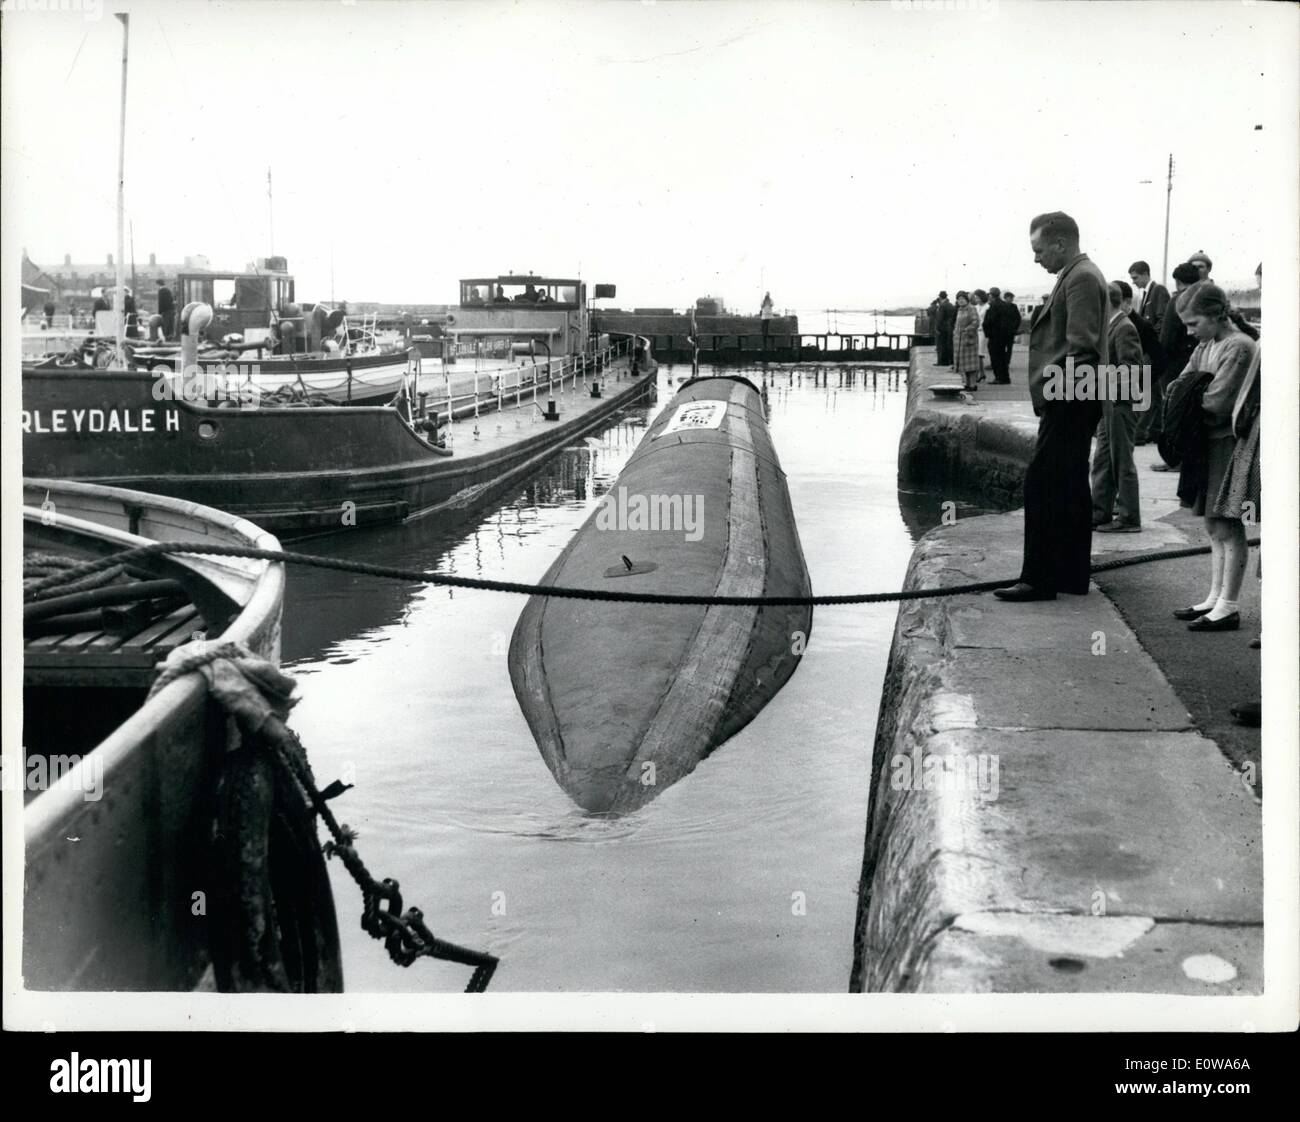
[(54, 584)]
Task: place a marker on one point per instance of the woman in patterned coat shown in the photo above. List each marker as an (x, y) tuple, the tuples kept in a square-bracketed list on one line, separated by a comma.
[(965, 342)]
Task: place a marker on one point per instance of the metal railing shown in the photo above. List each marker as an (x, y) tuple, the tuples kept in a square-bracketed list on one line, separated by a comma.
[(497, 390)]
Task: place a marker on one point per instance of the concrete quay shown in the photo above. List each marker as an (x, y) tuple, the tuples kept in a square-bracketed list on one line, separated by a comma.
[(1056, 805)]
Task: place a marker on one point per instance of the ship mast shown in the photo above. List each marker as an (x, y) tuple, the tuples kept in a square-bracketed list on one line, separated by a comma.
[(120, 298)]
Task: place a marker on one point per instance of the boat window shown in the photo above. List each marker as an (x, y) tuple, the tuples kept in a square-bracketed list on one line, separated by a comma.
[(529, 292), (250, 293), (223, 292), (474, 294), (196, 290)]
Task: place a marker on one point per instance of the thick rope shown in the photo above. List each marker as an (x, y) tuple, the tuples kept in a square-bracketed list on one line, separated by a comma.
[(53, 585), (258, 695)]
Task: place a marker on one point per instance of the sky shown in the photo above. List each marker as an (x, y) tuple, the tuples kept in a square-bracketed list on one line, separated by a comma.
[(837, 154)]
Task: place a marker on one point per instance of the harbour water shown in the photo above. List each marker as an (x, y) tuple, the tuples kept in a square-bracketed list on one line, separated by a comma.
[(740, 878)]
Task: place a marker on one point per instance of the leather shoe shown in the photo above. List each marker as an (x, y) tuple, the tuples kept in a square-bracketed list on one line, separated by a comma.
[(1191, 613), (1118, 527), (1227, 623), (1020, 591), (1162, 467), (1254, 644)]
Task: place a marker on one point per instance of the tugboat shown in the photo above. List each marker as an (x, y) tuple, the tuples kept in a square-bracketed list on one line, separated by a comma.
[(145, 868)]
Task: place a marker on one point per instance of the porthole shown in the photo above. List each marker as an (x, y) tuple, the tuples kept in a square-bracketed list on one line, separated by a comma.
[(207, 430)]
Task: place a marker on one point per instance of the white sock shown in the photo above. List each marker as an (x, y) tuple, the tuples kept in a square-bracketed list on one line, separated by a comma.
[(1223, 607), (1209, 602)]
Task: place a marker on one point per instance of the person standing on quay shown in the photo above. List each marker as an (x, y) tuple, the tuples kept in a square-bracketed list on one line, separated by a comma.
[(1150, 300), (765, 312), (945, 318), (988, 324), (965, 342), (1115, 508), (1012, 328), (981, 303), (1230, 355), (1067, 330)]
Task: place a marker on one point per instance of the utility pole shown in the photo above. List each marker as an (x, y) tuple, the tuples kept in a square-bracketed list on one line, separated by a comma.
[(270, 211), (1169, 191), (120, 300)]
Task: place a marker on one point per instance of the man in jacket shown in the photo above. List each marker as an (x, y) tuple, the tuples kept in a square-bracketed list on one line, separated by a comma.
[(1149, 300), (1001, 322), (945, 319), (1115, 507), (1067, 336), (167, 309)]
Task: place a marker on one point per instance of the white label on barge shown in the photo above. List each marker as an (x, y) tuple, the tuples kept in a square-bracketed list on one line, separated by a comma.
[(101, 420), (696, 415)]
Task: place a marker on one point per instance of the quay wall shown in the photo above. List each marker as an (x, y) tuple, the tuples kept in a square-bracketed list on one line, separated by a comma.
[(978, 456), (1041, 819)]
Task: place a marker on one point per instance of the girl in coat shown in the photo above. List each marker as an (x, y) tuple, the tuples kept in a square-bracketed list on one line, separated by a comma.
[(965, 342), (1223, 497)]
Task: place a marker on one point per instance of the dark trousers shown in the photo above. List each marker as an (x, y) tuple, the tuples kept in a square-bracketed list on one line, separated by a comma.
[(1150, 424), (1058, 502), (943, 345), (1000, 358), (1114, 474)]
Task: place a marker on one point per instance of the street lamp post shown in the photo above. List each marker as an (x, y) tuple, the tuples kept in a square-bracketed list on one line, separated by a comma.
[(1169, 191)]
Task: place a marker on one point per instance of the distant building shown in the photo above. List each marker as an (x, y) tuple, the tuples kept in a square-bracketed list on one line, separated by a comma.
[(73, 281), (38, 286)]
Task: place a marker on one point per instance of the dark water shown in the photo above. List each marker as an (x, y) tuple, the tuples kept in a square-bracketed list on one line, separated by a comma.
[(743, 876)]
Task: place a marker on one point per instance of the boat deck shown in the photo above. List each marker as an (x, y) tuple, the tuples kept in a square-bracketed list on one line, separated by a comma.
[(127, 657), (498, 431)]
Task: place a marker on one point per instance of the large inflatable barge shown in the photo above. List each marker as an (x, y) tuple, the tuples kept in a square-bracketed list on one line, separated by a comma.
[(625, 699)]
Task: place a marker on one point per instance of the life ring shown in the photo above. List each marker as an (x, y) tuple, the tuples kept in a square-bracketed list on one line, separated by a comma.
[(272, 924)]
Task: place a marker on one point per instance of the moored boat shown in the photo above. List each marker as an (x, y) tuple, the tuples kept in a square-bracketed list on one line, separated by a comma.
[(257, 341), (298, 470), (625, 699), (127, 795)]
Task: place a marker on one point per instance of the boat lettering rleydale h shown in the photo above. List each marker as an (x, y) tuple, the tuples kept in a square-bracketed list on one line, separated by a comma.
[(515, 381), (624, 699)]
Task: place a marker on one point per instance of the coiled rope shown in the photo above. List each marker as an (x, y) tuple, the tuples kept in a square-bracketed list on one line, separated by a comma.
[(54, 584)]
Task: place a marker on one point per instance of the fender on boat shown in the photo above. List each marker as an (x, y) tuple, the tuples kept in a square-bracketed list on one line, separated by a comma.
[(626, 699)]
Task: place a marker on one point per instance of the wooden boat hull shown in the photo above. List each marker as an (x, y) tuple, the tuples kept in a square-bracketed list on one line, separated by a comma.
[(625, 699), (293, 470), (110, 886)]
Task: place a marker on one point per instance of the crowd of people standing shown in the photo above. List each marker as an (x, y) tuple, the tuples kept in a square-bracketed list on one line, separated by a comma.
[(1203, 413), (976, 332)]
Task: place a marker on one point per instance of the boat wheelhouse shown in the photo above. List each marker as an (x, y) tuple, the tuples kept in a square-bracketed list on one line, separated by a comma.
[(529, 310), (246, 304)]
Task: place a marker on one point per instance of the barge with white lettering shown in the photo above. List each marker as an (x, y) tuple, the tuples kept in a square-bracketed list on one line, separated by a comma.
[(301, 470)]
